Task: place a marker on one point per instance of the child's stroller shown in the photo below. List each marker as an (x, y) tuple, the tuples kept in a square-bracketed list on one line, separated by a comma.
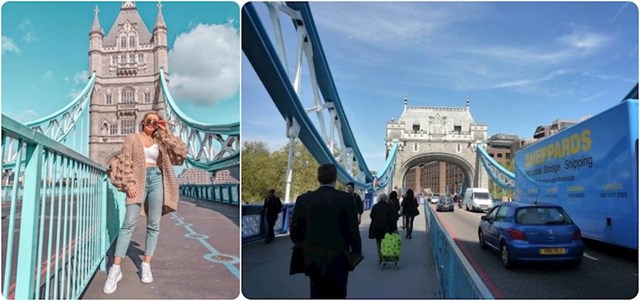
[(390, 249)]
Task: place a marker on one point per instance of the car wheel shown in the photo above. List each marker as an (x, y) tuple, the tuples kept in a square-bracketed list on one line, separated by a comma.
[(483, 244), (505, 256), (467, 206)]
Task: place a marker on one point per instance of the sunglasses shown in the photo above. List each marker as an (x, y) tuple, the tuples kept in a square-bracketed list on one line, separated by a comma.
[(151, 122)]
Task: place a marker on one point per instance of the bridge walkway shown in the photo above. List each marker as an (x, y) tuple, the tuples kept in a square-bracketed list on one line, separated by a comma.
[(190, 260), (265, 269)]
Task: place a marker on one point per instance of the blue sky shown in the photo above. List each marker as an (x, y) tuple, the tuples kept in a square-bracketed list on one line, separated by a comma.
[(45, 55), (521, 64)]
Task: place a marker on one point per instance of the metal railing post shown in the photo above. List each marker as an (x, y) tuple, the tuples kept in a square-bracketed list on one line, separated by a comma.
[(29, 223)]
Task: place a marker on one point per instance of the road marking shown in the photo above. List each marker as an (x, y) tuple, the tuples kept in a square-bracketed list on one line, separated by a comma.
[(212, 257), (588, 256)]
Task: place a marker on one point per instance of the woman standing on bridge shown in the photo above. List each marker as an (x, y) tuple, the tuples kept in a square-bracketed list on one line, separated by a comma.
[(409, 211), (146, 175)]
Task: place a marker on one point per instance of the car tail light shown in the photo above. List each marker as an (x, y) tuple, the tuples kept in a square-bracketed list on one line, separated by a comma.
[(577, 234), (517, 234)]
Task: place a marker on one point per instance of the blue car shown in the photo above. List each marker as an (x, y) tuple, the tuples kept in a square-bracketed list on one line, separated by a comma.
[(531, 232)]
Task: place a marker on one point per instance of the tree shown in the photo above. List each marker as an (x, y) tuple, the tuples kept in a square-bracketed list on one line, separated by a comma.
[(258, 172)]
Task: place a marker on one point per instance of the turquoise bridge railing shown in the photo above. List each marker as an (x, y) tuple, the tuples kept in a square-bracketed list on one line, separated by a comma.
[(501, 176), (457, 278), (62, 216), (211, 147), (221, 193)]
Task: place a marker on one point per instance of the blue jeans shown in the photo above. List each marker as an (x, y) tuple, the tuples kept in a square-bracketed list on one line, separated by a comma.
[(153, 194)]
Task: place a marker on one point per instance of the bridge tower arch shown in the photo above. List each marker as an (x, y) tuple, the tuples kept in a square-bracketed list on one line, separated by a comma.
[(429, 134)]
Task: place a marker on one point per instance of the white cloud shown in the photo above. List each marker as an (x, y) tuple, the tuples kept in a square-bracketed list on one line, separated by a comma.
[(29, 34), (9, 45), (528, 82), (25, 116), (81, 77), (47, 75), (205, 64), (583, 40)]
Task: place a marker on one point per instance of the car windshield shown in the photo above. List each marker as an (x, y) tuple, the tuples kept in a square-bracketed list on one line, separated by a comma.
[(481, 195), (542, 216)]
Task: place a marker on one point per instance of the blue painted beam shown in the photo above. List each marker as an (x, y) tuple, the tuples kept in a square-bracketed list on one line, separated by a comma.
[(266, 63), (326, 84)]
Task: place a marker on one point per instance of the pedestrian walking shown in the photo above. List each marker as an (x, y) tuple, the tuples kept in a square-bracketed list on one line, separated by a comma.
[(144, 171), (409, 211), (271, 210), (324, 230), (393, 200), (356, 200), (384, 219)]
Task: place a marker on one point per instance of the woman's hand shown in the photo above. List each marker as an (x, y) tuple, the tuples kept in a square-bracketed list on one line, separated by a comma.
[(131, 192), (162, 124)]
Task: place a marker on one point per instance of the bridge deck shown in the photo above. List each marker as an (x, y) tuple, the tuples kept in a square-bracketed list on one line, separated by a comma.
[(185, 265), (265, 269)]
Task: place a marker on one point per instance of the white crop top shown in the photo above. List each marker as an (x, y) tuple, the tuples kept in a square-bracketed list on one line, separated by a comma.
[(151, 153)]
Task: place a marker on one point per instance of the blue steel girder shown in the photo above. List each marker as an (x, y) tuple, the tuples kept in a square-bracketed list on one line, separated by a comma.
[(385, 174), (265, 61), (58, 125), (211, 147), (326, 84), (501, 176)]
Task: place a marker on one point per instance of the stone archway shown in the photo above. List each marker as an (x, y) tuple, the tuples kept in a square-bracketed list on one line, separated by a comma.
[(466, 166)]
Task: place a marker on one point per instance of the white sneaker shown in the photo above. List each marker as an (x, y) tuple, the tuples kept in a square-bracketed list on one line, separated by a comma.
[(146, 276), (114, 276)]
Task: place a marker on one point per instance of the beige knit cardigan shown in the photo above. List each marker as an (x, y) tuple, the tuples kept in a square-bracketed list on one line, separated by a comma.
[(133, 168)]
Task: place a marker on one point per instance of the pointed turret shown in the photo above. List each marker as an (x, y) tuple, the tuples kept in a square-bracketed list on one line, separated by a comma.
[(95, 44), (160, 19), (161, 48), (95, 27)]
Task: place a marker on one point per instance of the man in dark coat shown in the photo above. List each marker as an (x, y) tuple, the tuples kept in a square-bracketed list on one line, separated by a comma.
[(356, 200), (325, 227), (272, 207)]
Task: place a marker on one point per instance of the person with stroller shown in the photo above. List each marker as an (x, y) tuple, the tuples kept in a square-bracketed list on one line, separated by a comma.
[(409, 211), (384, 219)]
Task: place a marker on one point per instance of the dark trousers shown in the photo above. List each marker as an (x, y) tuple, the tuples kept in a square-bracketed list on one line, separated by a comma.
[(271, 223), (330, 286), (378, 243), (409, 224)]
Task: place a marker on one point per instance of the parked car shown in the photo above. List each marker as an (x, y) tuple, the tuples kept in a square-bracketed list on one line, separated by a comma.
[(445, 204), (531, 232), (435, 198), (477, 199)]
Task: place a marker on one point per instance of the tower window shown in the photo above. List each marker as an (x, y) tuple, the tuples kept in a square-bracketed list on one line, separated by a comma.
[(132, 42), (457, 128), (123, 42), (499, 155), (122, 59), (147, 97), (114, 129), (128, 96), (113, 60), (140, 58), (458, 148), (128, 126), (416, 127), (108, 99), (415, 147), (132, 58)]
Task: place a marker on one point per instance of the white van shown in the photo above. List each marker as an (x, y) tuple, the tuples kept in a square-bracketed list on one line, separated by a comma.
[(477, 199)]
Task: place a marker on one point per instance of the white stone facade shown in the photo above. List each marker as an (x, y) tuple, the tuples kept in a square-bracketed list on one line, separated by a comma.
[(428, 134), (127, 63)]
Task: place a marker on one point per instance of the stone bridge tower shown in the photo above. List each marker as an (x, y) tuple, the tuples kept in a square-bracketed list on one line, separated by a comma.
[(127, 63), (429, 134)]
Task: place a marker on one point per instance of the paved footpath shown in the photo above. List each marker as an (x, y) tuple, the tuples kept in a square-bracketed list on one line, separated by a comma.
[(265, 269), (197, 256)]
